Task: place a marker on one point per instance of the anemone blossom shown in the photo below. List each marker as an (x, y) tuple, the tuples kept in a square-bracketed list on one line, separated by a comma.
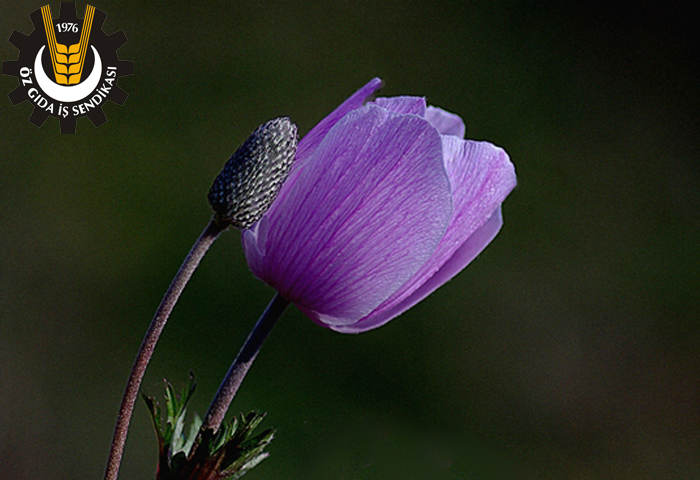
[(386, 201)]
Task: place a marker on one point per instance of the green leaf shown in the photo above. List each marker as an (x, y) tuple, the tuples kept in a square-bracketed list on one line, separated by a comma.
[(226, 454), (192, 433), (154, 409)]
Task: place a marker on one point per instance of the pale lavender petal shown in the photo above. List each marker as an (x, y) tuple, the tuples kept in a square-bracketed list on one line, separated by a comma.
[(467, 252), (447, 123), (366, 214), (312, 139), (481, 176), (405, 105)]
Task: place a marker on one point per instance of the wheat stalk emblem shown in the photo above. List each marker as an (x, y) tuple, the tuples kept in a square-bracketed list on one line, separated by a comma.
[(67, 60)]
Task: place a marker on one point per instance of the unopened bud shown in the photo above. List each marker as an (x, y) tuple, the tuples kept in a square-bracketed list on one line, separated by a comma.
[(254, 175)]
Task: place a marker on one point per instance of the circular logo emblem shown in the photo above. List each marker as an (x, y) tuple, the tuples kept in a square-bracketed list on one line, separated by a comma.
[(68, 67)]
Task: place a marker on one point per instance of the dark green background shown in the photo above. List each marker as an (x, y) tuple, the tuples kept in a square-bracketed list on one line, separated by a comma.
[(567, 350)]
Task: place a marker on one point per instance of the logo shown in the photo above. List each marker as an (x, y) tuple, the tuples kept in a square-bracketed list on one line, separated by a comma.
[(68, 67)]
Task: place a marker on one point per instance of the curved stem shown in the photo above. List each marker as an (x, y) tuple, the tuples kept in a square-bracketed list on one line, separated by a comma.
[(189, 265), (242, 363)]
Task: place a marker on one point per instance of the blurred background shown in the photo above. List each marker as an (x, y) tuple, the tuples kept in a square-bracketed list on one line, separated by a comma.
[(567, 350)]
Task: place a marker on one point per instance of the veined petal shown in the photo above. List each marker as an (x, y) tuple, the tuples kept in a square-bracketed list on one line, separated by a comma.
[(405, 105), (467, 252), (481, 176), (312, 139), (365, 216), (447, 123)]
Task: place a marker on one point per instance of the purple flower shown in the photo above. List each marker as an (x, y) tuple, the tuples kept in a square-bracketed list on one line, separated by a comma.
[(385, 202)]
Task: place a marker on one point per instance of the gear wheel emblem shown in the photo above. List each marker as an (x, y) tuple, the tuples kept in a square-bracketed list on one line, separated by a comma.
[(68, 67)]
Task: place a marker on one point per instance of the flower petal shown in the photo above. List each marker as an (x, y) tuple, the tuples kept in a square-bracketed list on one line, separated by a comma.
[(369, 209), (447, 123), (467, 252), (312, 139), (405, 105), (481, 176)]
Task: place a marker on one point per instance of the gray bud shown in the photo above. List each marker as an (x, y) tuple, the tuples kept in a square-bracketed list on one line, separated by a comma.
[(254, 175)]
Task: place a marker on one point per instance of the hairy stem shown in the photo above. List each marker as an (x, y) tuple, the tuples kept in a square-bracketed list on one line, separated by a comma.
[(148, 345), (242, 363)]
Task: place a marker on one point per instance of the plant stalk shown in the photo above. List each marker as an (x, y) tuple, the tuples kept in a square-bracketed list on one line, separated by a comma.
[(242, 363), (148, 345)]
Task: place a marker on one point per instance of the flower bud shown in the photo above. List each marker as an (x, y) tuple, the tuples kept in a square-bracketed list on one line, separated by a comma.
[(254, 175)]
